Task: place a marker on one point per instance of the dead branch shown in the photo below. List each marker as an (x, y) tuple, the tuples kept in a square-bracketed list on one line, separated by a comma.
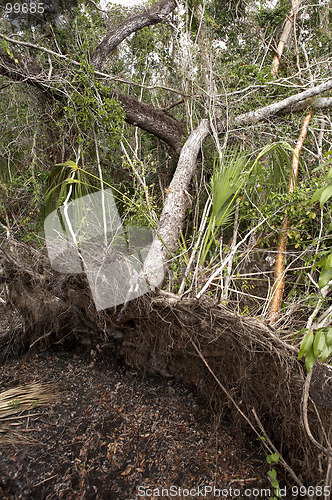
[(266, 112), (153, 15)]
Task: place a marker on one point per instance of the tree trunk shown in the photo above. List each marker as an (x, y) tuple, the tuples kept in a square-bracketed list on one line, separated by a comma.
[(266, 112), (282, 44), (279, 269), (155, 121), (289, 23), (175, 205)]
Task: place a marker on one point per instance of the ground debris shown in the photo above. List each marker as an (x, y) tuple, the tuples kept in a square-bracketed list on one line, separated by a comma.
[(113, 432)]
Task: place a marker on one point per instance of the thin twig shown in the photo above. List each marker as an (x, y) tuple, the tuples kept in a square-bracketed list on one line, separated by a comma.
[(268, 444), (281, 459), (326, 451)]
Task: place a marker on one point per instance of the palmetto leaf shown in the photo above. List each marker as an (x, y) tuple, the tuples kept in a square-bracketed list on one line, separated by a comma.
[(233, 173), (277, 168), (226, 181)]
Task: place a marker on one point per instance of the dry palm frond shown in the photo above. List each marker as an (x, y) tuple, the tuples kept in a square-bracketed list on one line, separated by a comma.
[(9, 436), (14, 402)]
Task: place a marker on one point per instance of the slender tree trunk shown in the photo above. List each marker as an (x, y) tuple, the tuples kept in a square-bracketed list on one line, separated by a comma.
[(282, 44), (285, 36), (279, 270)]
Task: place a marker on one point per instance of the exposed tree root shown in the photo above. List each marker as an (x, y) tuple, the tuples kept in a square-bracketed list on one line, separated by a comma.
[(237, 363)]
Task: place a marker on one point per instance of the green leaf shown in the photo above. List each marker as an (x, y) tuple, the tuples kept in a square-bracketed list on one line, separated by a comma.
[(329, 174), (268, 459), (310, 359), (328, 262), (319, 343), (330, 227), (317, 194), (326, 194), (326, 352), (68, 163), (325, 277), (328, 337), (275, 457), (320, 263), (275, 484), (306, 344), (325, 164), (72, 181), (273, 474)]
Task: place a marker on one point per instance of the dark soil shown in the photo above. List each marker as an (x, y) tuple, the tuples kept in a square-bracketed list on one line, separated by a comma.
[(114, 433)]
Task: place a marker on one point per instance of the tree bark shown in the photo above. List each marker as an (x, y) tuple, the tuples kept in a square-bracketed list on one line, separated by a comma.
[(289, 23), (176, 202), (282, 44), (155, 121), (154, 15), (266, 112), (316, 104)]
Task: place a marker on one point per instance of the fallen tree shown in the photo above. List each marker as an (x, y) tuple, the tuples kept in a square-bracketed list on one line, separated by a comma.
[(167, 128), (236, 363), (232, 360)]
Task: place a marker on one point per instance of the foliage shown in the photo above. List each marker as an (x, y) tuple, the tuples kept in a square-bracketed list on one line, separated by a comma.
[(226, 182), (240, 36), (8, 51), (322, 195), (65, 180), (316, 344), (89, 106), (273, 459), (273, 16), (236, 172)]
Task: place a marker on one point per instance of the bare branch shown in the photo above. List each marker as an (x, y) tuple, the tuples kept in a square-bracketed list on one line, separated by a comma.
[(96, 73), (154, 15), (266, 112)]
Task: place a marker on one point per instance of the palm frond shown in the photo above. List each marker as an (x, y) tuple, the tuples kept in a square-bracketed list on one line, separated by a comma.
[(236, 170), (275, 171), (16, 404), (226, 181), (61, 178)]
